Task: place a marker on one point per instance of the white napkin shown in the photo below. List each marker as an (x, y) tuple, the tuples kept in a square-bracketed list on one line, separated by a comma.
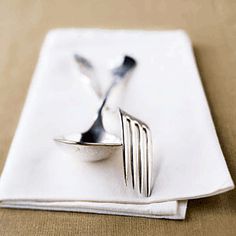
[(165, 91)]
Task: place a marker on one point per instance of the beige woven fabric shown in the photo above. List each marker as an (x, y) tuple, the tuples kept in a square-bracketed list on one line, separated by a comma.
[(211, 26)]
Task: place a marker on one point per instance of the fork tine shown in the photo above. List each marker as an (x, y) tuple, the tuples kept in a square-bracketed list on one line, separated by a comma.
[(126, 145), (143, 159), (132, 137), (146, 161), (148, 153), (136, 154), (139, 163)]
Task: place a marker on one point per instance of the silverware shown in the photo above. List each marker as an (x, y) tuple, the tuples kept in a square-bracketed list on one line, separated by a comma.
[(88, 71), (137, 154), (97, 132), (96, 135)]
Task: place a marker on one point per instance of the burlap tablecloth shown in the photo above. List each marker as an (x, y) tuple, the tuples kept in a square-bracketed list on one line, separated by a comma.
[(212, 28)]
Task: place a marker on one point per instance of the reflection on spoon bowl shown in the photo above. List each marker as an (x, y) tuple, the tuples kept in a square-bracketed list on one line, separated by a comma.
[(90, 152)]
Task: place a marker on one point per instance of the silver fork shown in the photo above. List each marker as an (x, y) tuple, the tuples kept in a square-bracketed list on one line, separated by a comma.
[(88, 71), (137, 154)]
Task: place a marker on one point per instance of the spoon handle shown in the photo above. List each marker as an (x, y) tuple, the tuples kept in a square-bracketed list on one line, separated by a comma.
[(119, 74)]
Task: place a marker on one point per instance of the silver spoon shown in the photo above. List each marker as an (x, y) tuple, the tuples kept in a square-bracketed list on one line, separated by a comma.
[(96, 136), (97, 132)]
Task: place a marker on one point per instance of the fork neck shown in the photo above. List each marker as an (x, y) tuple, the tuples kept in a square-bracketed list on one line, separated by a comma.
[(106, 96)]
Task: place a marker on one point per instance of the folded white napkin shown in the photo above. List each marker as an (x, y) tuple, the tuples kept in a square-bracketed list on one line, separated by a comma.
[(165, 91)]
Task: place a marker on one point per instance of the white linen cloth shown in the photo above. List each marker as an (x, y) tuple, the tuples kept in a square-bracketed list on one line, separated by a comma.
[(165, 91)]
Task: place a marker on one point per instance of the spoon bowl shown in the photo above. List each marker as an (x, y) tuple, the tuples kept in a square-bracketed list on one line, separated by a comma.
[(89, 152)]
